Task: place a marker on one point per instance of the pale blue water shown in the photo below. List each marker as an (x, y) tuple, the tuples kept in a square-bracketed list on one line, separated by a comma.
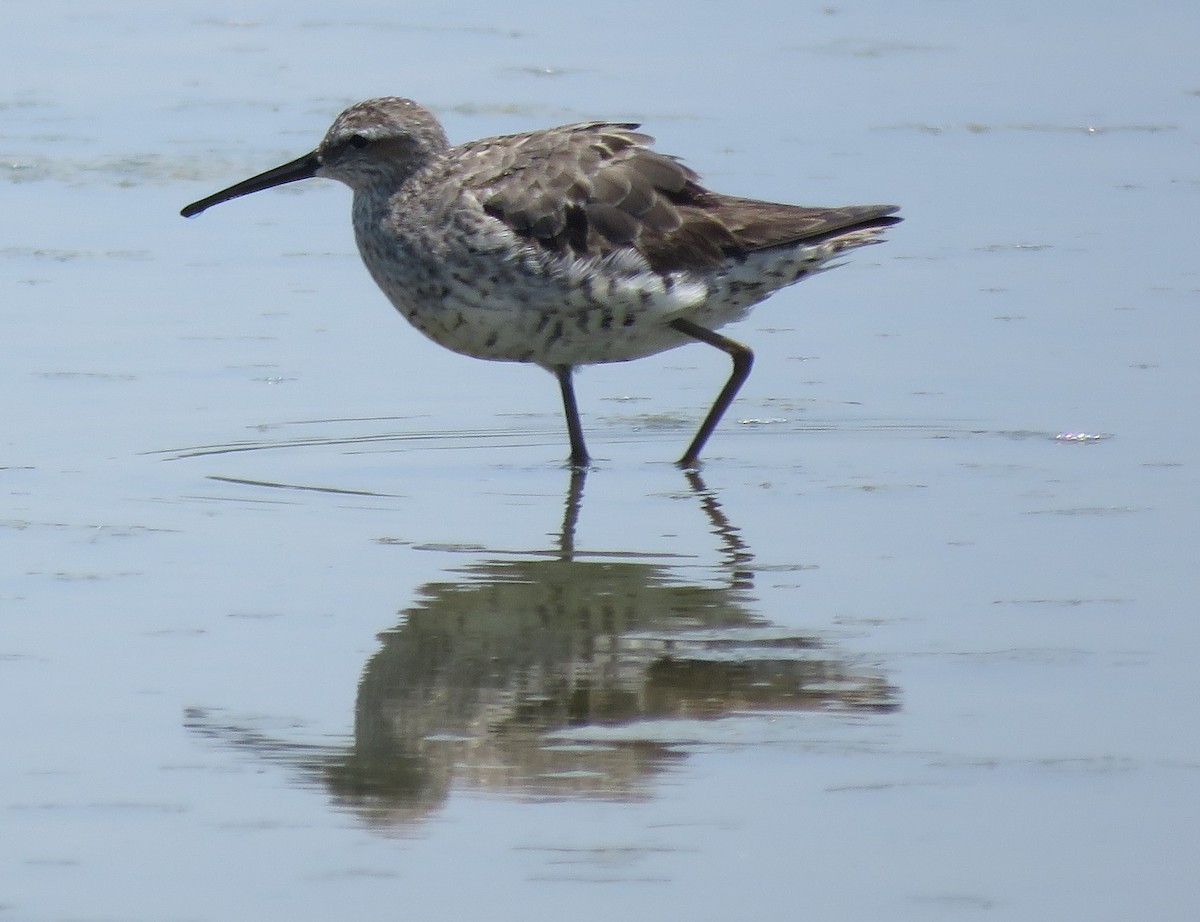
[(284, 628)]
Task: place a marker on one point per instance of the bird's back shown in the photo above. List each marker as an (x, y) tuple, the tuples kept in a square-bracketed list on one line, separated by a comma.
[(594, 188)]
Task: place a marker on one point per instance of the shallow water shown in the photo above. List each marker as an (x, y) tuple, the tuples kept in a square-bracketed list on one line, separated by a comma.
[(301, 616)]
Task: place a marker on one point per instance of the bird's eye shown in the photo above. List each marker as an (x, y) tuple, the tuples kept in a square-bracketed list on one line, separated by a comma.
[(357, 140)]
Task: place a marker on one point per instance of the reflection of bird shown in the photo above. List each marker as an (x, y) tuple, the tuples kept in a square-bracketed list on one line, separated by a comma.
[(563, 675), (563, 247)]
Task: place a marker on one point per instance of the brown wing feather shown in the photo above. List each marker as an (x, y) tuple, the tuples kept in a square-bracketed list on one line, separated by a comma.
[(593, 188)]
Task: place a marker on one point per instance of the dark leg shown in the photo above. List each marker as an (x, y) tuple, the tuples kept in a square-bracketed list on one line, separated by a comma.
[(742, 357), (579, 455)]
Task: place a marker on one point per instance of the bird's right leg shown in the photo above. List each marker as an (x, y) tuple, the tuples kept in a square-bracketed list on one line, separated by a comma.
[(742, 358)]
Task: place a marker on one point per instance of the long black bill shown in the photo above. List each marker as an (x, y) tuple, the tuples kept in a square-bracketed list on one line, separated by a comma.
[(301, 168)]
